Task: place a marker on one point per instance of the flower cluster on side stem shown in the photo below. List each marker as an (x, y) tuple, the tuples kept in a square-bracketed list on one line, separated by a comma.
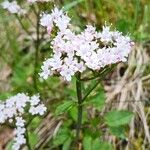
[(13, 7), (12, 110), (95, 49)]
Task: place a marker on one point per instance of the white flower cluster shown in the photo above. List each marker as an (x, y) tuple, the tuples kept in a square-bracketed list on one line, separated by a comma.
[(33, 1), (13, 7), (57, 17), (19, 133), (76, 52), (14, 108)]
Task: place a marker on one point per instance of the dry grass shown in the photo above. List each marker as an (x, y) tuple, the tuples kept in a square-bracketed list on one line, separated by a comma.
[(47, 130), (127, 90)]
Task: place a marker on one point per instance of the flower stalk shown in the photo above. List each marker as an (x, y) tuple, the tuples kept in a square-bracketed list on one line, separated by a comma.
[(80, 107), (37, 43), (27, 140)]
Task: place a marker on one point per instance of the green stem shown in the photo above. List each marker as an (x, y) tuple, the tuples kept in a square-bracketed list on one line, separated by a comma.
[(81, 100), (100, 77), (37, 43), (79, 97), (89, 92), (94, 77), (22, 25), (27, 140)]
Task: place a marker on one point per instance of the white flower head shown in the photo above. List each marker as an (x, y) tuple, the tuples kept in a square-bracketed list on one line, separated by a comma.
[(57, 18), (13, 7), (13, 110), (94, 49)]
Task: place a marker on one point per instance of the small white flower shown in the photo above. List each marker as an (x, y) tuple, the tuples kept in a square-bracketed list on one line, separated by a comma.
[(35, 100), (66, 72), (40, 109), (57, 18), (46, 69), (19, 130), (20, 139), (106, 35), (5, 4), (46, 20), (62, 22), (2, 117), (19, 121)]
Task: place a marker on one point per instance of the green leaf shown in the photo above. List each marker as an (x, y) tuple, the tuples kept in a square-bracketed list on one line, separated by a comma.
[(35, 122), (92, 133), (118, 118), (98, 145), (95, 121), (72, 4), (61, 137), (73, 112), (67, 143), (87, 143), (95, 144), (98, 101), (105, 146), (33, 139), (64, 107), (118, 131), (4, 95)]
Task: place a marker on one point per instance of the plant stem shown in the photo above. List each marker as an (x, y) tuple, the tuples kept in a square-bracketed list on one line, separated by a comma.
[(79, 96), (23, 26), (37, 43), (100, 77), (81, 100), (27, 140), (92, 78), (89, 92)]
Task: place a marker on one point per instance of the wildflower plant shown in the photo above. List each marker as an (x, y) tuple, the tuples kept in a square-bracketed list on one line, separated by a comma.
[(86, 56), (75, 53)]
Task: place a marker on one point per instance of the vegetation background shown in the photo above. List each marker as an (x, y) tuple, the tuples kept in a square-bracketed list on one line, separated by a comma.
[(127, 87)]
